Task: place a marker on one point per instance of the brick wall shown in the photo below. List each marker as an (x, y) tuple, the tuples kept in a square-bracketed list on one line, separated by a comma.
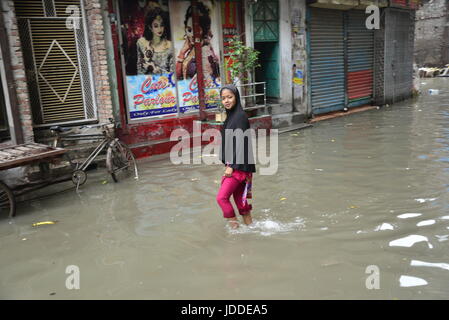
[(18, 69), (93, 11)]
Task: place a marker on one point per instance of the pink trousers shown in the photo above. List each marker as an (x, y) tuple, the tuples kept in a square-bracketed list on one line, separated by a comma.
[(235, 186)]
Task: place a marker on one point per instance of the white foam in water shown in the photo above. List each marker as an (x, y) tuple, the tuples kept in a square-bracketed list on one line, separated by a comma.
[(407, 281), (425, 223), (410, 241), (384, 226), (269, 227), (417, 263), (409, 215)]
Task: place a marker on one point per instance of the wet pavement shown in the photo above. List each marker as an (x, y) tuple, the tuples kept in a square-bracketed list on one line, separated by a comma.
[(364, 192)]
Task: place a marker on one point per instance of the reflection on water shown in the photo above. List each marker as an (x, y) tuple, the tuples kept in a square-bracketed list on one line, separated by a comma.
[(363, 190)]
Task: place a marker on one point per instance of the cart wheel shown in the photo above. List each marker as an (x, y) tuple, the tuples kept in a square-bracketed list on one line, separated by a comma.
[(7, 200), (120, 161), (79, 177)]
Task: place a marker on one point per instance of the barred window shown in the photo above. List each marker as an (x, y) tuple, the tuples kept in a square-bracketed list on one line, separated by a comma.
[(56, 57)]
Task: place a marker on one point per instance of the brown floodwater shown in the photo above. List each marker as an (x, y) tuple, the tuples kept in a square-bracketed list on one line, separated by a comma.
[(369, 189)]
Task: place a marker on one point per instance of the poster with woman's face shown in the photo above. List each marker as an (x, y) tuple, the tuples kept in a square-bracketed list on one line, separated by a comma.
[(149, 58), (186, 68)]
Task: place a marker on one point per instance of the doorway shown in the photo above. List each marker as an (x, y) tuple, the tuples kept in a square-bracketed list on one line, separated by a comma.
[(266, 41), (269, 70)]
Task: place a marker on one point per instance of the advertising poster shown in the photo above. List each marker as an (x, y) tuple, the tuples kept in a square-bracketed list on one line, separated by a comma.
[(149, 58), (186, 71)]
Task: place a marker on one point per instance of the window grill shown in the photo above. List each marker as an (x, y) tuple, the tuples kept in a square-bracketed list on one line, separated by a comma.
[(56, 57)]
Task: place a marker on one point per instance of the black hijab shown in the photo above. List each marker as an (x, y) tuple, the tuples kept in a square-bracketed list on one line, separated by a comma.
[(236, 118)]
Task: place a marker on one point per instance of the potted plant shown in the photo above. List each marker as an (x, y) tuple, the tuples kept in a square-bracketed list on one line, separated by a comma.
[(240, 63)]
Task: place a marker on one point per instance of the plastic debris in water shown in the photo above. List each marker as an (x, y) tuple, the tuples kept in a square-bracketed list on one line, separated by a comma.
[(417, 263), (442, 238), (37, 224), (409, 215), (409, 241), (425, 223), (282, 199), (104, 182), (425, 200), (434, 91), (384, 226), (407, 281)]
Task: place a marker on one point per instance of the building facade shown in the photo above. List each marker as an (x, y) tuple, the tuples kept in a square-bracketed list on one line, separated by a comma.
[(157, 65)]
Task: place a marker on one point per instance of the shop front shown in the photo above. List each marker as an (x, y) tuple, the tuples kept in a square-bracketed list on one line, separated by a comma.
[(342, 59), (169, 67), (170, 60)]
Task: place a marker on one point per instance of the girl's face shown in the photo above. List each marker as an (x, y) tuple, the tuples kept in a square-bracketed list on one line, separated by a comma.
[(228, 99), (157, 26)]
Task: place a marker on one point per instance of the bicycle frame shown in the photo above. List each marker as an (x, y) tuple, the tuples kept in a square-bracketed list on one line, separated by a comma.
[(106, 140), (93, 154)]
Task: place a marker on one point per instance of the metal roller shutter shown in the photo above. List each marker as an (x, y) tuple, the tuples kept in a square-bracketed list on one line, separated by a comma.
[(360, 49), (327, 60)]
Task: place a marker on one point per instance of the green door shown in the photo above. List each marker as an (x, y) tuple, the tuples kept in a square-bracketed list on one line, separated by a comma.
[(269, 70), (266, 40)]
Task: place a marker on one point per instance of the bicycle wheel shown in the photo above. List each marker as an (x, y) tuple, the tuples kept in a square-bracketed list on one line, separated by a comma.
[(120, 161), (7, 200)]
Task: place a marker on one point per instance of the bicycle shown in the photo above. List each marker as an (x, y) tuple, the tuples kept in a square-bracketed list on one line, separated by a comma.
[(119, 158)]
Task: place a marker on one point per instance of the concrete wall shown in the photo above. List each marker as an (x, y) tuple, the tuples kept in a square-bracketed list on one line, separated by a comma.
[(285, 52), (432, 33), (299, 55)]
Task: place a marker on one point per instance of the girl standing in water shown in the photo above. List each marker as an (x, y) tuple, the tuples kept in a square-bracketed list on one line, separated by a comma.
[(237, 178)]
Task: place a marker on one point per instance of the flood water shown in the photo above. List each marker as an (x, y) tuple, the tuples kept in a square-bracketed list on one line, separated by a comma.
[(368, 189)]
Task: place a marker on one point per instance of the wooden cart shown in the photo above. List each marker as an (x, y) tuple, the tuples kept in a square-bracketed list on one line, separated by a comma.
[(21, 155)]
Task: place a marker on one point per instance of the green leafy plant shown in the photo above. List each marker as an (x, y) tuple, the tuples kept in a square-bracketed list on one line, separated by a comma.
[(242, 60)]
